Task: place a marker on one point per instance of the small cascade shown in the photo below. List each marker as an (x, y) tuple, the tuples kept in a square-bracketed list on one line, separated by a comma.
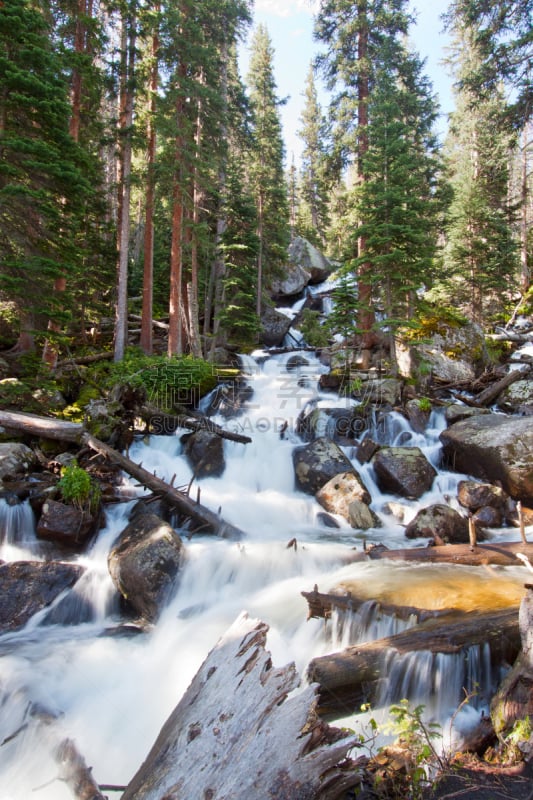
[(366, 624), (439, 681), (17, 523)]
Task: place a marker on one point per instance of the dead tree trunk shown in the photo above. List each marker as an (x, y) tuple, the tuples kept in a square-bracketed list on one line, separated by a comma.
[(351, 677), (502, 554), (199, 514), (237, 735), (203, 517), (168, 423)]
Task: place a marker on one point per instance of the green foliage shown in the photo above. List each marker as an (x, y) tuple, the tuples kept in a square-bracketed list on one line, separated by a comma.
[(168, 382), (78, 488), (418, 737), (424, 404), (314, 333)]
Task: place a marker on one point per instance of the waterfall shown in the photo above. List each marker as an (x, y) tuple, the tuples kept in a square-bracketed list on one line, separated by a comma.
[(67, 673)]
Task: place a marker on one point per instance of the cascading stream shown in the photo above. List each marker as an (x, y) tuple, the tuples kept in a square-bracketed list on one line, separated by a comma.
[(64, 675)]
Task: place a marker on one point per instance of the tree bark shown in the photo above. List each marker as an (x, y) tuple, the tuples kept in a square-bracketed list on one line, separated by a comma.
[(203, 517), (239, 734), (497, 553), (148, 264), (169, 423), (351, 677)]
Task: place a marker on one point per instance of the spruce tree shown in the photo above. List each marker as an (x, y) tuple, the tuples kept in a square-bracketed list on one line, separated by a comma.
[(358, 38), (313, 189), (399, 205), (43, 188), (480, 257), (265, 170)]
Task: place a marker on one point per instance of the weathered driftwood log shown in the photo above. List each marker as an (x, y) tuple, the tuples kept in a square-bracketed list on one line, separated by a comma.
[(502, 554), (199, 514), (75, 432), (322, 604), (238, 735), (162, 422), (351, 677), (492, 392), (43, 427), (75, 772)]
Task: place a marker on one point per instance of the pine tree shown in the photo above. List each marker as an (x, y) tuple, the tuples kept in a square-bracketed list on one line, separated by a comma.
[(265, 170), (502, 33), (358, 36), (399, 206), (480, 258), (43, 188), (313, 190)]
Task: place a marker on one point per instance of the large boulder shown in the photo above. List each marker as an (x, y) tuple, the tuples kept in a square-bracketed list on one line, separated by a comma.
[(494, 448), (345, 426), (27, 587), (67, 524), (205, 452), (404, 471), (338, 494), (293, 282), (145, 562), (440, 522), (15, 459), (307, 256), (275, 327), (518, 398), (456, 352), (316, 463)]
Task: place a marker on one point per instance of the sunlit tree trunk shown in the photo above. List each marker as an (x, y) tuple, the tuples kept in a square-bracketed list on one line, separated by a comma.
[(148, 263)]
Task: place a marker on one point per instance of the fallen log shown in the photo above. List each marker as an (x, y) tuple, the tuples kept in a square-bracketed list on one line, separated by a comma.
[(352, 677), (321, 605), (199, 514), (75, 432), (490, 394), (237, 734), (161, 422), (42, 427), (155, 323), (80, 360), (502, 554)]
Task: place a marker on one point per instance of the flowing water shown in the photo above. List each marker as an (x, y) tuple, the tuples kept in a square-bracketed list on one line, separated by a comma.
[(64, 674)]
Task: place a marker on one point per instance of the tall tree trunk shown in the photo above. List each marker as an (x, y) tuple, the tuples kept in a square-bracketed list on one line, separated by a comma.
[(215, 290), (366, 314), (524, 222), (192, 293), (148, 267), (125, 131), (260, 265)]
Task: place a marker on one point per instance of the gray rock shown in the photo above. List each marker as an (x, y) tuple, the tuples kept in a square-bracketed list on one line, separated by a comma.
[(293, 282), (312, 260), (205, 453), (66, 524), (342, 490), (403, 470), (26, 587), (361, 517), (145, 562), (15, 459), (316, 463), (275, 327), (457, 412), (439, 521), (496, 449), (474, 495)]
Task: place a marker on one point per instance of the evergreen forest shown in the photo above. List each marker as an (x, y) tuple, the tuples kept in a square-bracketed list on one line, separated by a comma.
[(142, 177)]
